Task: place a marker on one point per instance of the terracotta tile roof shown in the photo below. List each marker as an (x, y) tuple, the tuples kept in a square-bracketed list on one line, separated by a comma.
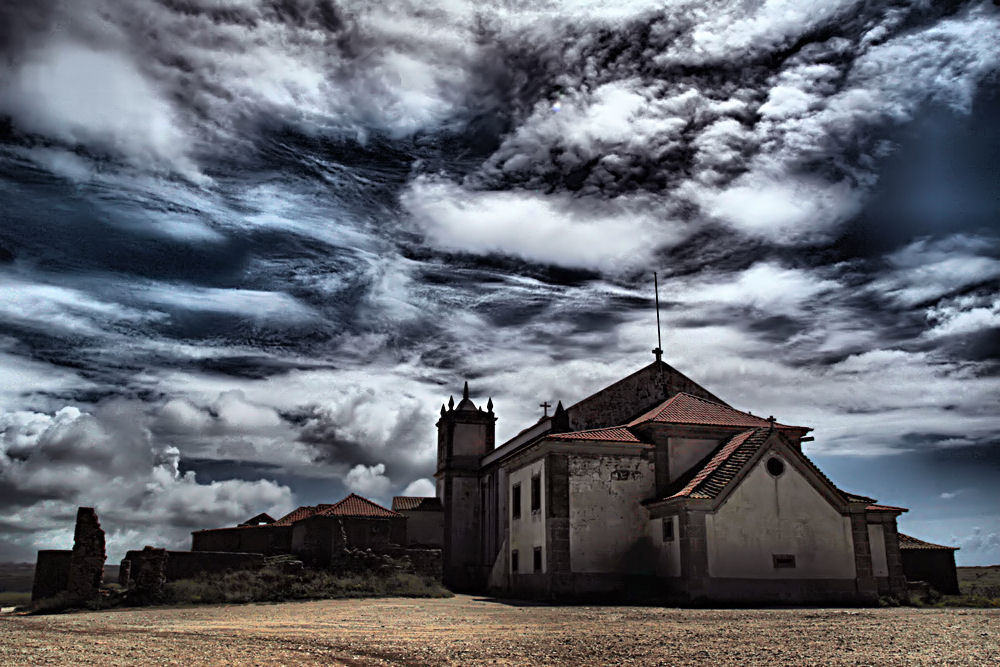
[(613, 434), (855, 498), (423, 504), (909, 542), (885, 508), (298, 514), (684, 408), (355, 505), (710, 479)]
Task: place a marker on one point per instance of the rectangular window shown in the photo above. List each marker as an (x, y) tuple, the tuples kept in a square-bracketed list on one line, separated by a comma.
[(538, 559), (515, 501), (513, 561), (536, 493), (783, 560), (668, 529)]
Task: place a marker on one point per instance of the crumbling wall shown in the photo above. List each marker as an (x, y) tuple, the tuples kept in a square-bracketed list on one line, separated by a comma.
[(51, 573), (148, 574), (86, 566), (189, 564), (426, 562), (267, 539)]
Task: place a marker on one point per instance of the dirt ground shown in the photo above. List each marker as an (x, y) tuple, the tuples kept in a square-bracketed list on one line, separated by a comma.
[(474, 631)]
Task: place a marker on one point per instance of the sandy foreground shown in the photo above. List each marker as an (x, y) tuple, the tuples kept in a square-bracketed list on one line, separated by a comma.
[(473, 631)]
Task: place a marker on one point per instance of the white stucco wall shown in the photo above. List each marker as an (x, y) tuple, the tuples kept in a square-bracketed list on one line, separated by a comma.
[(768, 515), (668, 553), (527, 532), (876, 538), (685, 452), (606, 519)]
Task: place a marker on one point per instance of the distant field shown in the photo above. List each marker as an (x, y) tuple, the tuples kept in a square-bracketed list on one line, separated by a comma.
[(981, 581), (18, 577)]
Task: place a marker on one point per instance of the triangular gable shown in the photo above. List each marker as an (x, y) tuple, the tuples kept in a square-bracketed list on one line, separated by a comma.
[(776, 441), (262, 519), (624, 400), (357, 506), (715, 478)]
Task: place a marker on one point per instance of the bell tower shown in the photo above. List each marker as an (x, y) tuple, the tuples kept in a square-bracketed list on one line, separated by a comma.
[(465, 434)]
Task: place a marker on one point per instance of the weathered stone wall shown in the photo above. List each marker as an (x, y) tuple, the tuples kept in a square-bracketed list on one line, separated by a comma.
[(630, 397), (190, 564), (317, 538), (86, 566), (268, 540), (933, 566), (424, 527), (426, 562), (51, 573), (607, 527), (148, 574)]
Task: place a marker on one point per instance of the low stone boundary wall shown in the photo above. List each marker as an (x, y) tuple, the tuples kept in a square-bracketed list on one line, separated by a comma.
[(51, 573), (426, 562), (190, 564)]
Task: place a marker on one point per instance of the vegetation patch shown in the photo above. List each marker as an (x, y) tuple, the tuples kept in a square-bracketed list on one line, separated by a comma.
[(14, 599), (979, 586), (275, 585)]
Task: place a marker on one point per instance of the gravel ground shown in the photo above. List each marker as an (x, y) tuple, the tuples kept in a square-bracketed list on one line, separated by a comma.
[(473, 631)]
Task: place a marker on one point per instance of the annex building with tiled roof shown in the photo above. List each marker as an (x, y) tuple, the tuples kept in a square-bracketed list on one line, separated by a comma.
[(313, 533), (654, 485)]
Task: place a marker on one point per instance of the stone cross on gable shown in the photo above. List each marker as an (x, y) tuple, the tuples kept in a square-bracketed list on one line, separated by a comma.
[(545, 408)]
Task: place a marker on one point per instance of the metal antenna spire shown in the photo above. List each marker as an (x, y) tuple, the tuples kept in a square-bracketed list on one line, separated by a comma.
[(658, 352)]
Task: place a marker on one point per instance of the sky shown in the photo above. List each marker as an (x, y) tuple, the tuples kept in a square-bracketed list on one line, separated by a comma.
[(248, 247)]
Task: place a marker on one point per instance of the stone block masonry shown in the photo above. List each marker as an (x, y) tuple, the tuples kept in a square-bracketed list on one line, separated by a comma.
[(78, 573), (86, 566), (51, 573)]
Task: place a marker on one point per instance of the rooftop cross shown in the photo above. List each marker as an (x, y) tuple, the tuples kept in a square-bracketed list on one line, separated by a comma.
[(545, 407)]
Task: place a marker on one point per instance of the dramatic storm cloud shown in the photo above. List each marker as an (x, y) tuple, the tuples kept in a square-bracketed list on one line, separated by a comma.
[(248, 247)]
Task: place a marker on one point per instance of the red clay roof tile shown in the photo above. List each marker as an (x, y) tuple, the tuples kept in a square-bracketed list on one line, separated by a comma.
[(684, 408), (910, 542), (424, 504), (355, 505), (613, 434), (296, 515), (885, 508), (724, 465)]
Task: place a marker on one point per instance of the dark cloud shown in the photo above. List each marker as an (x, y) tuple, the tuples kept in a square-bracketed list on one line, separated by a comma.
[(246, 250)]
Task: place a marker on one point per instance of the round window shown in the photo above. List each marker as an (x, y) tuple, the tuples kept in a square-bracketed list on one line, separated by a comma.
[(775, 466)]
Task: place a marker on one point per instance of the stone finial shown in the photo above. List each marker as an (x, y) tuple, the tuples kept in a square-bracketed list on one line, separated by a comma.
[(451, 402), (465, 391), (560, 419), (443, 410), (489, 405)]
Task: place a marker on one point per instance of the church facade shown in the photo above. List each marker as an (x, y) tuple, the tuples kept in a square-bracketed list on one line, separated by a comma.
[(654, 486)]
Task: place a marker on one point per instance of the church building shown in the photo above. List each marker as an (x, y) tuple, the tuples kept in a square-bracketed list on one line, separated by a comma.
[(654, 485)]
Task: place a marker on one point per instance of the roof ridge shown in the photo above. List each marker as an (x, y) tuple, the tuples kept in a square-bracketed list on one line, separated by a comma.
[(333, 508)]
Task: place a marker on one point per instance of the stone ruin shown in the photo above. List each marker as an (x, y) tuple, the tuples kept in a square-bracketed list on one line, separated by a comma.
[(146, 574), (86, 566), (77, 574)]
